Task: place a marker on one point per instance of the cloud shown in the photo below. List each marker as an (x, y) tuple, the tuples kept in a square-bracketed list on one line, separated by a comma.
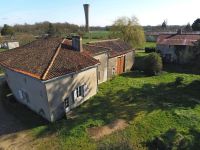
[(4, 18)]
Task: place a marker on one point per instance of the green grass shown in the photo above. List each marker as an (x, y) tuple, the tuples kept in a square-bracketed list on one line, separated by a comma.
[(149, 44), (153, 106), (160, 114), (2, 49), (95, 36)]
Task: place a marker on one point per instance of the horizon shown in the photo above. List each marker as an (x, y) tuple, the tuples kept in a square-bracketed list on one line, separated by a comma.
[(102, 13)]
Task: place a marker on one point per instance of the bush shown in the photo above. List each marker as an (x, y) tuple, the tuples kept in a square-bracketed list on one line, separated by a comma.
[(150, 49), (179, 81), (119, 144), (153, 64)]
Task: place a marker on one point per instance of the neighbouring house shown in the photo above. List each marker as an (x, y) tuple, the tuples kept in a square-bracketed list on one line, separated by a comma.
[(52, 75), (178, 48), (153, 36), (10, 45)]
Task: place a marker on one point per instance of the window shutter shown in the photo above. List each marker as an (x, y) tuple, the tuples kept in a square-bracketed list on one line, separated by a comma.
[(75, 94), (20, 94), (85, 90)]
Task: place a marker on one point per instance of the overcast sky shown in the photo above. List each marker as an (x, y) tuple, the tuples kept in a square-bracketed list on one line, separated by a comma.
[(102, 12)]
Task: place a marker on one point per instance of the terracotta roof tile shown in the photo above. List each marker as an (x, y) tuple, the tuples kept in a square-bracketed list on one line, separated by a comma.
[(69, 61), (34, 59), (115, 47), (178, 39)]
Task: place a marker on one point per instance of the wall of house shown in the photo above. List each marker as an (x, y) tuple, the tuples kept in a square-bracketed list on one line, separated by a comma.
[(61, 88), (186, 55), (103, 67), (12, 45), (34, 88), (167, 50), (112, 64), (129, 60), (112, 67)]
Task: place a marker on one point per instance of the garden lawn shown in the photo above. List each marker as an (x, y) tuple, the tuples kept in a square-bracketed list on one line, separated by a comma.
[(154, 107)]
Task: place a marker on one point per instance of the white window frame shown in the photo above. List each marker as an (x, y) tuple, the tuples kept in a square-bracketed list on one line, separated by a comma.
[(113, 71), (24, 96), (80, 92)]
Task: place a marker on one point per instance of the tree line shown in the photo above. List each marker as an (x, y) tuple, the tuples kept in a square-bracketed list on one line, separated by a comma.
[(38, 29)]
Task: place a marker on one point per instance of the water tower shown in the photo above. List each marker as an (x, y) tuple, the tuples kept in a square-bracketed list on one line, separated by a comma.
[(86, 9)]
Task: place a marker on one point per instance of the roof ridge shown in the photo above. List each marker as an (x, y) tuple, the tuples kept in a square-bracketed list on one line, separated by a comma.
[(52, 61), (90, 44), (102, 47), (119, 45), (104, 40)]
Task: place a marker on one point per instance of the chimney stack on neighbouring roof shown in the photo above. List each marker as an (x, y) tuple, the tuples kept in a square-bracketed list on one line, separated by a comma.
[(77, 43), (86, 9), (180, 31)]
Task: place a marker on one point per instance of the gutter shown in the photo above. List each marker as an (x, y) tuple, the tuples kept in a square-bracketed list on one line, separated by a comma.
[(72, 73)]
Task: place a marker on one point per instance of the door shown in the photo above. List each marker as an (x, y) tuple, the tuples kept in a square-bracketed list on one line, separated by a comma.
[(66, 105), (120, 64)]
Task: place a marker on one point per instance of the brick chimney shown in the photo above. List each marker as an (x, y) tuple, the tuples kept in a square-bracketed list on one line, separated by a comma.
[(180, 31), (77, 43)]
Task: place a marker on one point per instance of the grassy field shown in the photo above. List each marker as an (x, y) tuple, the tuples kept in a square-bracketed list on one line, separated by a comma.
[(2, 49), (153, 107), (95, 36), (149, 44)]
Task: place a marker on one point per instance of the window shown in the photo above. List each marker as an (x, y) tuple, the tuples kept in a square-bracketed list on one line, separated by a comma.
[(113, 71), (24, 96), (66, 102), (66, 105), (79, 92), (99, 75)]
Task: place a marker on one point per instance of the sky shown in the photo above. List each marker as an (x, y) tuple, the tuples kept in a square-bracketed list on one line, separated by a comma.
[(102, 12)]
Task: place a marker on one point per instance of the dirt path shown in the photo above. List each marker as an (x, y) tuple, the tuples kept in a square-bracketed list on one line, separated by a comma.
[(11, 136)]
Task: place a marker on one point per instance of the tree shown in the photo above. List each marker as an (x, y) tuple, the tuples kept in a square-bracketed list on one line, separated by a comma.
[(153, 64), (7, 30), (129, 30), (164, 25), (51, 30), (196, 25), (188, 27)]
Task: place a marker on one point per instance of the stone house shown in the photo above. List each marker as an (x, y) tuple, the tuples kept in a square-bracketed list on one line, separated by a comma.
[(177, 48), (51, 76), (10, 44)]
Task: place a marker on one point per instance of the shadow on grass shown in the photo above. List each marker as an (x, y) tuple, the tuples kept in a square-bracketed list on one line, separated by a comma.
[(187, 69), (25, 118), (125, 104), (172, 139), (134, 74)]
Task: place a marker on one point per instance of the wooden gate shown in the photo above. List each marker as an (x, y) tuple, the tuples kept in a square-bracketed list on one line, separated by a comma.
[(120, 64)]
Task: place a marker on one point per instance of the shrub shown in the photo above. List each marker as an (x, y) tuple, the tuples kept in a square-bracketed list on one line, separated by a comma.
[(153, 64), (179, 81), (150, 49), (4, 89), (120, 144)]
